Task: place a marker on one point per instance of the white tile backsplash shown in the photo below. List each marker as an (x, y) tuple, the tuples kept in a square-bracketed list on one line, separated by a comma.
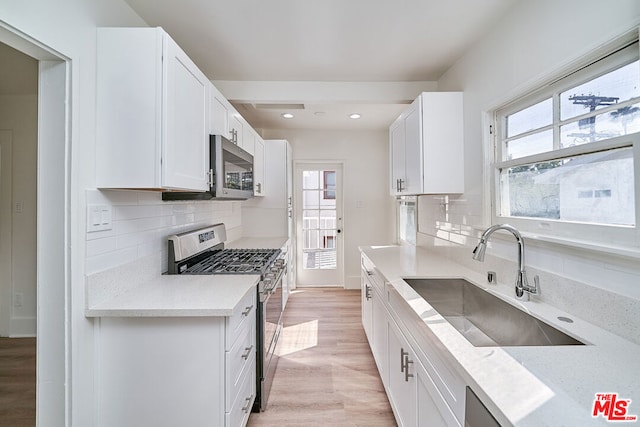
[(142, 222)]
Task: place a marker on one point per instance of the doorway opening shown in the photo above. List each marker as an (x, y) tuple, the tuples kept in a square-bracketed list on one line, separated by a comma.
[(47, 200), (319, 222)]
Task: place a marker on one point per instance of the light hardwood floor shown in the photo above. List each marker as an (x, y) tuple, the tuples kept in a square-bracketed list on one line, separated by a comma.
[(17, 382), (326, 375)]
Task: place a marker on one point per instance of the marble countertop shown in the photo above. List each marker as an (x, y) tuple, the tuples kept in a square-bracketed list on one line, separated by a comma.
[(132, 291), (524, 386)]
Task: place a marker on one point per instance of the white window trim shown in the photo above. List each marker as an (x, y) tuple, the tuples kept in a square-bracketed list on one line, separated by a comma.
[(613, 240)]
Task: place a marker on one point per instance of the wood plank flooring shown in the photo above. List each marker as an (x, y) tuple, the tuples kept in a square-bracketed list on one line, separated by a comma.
[(17, 382), (326, 375)]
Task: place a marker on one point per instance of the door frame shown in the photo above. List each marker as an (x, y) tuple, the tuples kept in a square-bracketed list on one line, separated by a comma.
[(298, 166), (6, 230), (53, 322)]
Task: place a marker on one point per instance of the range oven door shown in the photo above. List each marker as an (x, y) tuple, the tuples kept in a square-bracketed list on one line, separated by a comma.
[(269, 328)]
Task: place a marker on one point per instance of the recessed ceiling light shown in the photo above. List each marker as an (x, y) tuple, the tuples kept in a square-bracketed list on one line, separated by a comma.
[(287, 115), (354, 116), (319, 113)]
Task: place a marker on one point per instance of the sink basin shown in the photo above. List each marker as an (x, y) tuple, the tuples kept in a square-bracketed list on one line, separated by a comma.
[(484, 319)]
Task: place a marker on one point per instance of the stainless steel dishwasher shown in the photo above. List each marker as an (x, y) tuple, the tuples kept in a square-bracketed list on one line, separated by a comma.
[(476, 414)]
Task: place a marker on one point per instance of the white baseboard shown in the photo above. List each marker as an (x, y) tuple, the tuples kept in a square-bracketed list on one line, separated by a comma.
[(22, 327)]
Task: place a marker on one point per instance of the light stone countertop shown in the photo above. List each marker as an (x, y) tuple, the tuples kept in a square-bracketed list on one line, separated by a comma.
[(524, 386), (134, 291)]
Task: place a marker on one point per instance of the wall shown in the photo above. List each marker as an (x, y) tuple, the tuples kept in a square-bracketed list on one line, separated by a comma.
[(534, 40), (19, 113), (367, 206), (141, 219), (142, 222)]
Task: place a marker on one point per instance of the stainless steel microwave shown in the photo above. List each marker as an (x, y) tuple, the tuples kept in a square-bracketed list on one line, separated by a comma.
[(230, 174)]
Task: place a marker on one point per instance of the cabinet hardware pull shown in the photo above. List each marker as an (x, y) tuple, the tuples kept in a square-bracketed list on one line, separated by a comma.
[(367, 292), (404, 355), (245, 408), (407, 361), (259, 185), (247, 352), (247, 310), (401, 182)]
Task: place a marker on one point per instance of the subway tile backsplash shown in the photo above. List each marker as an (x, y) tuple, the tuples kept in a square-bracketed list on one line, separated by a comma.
[(142, 223)]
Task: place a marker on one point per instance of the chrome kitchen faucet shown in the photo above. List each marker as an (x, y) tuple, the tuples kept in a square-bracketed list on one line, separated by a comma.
[(522, 284)]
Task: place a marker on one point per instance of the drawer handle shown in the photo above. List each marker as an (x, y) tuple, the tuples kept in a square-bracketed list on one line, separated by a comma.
[(247, 352), (407, 361), (247, 310), (246, 407)]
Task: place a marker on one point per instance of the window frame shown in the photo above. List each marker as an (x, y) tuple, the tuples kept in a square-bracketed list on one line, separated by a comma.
[(620, 238)]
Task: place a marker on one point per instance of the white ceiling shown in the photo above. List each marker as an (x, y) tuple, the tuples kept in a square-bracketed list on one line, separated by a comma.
[(323, 41)]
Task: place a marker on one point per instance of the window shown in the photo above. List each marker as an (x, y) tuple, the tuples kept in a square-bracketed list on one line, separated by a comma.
[(406, 219), (566, 156)]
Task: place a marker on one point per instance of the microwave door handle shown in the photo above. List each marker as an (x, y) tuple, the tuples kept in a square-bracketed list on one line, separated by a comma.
[(211, 178)]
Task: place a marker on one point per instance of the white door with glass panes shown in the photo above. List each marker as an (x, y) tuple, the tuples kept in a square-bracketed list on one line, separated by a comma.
[(319, 224)]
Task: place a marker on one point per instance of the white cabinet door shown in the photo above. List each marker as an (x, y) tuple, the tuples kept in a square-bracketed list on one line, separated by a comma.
[(185, 146), (379, 348), (234, 134), (249, 136), (413, 150), (432, 408), (258, 168), (151, 113), (367, 306), (396, 147), (219, 115), (402, 377)]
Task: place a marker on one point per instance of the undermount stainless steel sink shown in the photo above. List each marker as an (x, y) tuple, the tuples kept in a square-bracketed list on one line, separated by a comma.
[(484, 319)]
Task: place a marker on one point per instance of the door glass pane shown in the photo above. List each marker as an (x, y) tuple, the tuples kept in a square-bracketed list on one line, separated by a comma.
[(319, 219)]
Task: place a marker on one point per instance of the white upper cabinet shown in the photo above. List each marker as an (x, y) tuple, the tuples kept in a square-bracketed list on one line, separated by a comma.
[(258, 167), (426, 146), (219, 113), (152, 113)]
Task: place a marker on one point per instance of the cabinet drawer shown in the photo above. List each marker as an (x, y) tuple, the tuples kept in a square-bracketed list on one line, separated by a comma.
[(244, 314), (238, 359), (238, 415), (450, 385), (374, 277)]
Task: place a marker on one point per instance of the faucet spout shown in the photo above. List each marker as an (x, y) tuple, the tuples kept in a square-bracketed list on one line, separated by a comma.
[(522, 287)]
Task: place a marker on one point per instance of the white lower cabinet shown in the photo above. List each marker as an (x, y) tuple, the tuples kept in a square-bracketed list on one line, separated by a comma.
[(176, 371), (422, 389)]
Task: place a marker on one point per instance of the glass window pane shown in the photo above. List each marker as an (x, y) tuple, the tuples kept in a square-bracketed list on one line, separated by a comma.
[(328, 219), (310, 219), (310, 180), (619, 122), (531, 144), (592, 188), (531, 118), (617, 86), (310, 240), (311, 199)]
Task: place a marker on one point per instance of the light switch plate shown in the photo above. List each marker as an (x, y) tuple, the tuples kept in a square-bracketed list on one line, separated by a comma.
[(99, 218)]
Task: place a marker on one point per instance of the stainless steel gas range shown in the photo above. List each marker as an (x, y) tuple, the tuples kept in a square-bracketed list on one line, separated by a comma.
[(202, 251)]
